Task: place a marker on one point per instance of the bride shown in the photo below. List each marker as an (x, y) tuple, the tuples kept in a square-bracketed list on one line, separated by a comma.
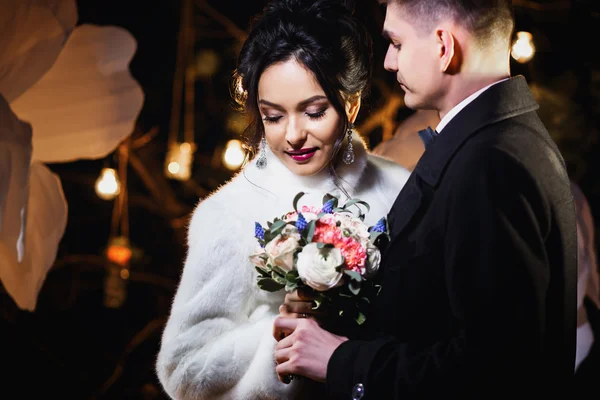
[(301, 75)]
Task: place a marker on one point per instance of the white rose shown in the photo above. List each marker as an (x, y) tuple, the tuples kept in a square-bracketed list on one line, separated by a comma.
[(281, 249), (373, 260), (353, 225), (259, 258), (318, 268)]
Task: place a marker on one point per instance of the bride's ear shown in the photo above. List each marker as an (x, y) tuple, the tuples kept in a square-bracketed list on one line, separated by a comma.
[(353, 106)]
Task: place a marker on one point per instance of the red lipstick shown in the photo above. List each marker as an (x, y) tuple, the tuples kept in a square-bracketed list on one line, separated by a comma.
[(304, 154)]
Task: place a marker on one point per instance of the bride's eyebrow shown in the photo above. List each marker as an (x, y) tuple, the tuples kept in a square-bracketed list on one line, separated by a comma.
[(302, 104), (268, 103)]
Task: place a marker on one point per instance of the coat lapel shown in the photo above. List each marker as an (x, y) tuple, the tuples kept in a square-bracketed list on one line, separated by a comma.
[(405, 206), (501, 101)]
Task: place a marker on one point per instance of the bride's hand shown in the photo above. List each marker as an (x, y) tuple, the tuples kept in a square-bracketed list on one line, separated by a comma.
[(300, 304), (297, 304)]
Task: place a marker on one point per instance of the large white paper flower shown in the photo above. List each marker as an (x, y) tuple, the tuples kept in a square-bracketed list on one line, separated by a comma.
[(65, 94), (318, 268), (87, 103)]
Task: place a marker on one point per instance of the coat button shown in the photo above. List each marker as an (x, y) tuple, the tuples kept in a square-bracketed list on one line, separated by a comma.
[(358, 392)]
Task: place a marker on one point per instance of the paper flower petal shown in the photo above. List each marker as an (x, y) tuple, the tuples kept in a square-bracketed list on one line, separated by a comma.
[(23, 272), (88, 102), (32, 34)]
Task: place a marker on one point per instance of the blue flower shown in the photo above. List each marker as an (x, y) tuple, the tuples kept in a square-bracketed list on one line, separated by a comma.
[(301, 222), (328, 207), (259, 231), (380, 226)]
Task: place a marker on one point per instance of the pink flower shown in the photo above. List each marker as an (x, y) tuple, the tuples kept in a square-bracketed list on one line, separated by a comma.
[(281, 249), (355, 255)]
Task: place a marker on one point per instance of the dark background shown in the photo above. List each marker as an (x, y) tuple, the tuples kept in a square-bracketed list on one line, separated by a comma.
[(72, 346)]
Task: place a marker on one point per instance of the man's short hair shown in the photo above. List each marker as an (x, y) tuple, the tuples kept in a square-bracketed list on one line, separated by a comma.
[(489, 21)]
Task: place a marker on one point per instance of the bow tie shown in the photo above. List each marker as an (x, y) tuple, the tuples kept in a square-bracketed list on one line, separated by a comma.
[(427, 135)]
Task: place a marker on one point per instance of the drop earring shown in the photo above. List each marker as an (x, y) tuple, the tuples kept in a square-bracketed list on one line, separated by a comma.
[(261, 162), (348, 156)]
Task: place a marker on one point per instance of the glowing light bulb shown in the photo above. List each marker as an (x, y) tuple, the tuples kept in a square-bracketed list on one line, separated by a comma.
[(178, 164), (108, 185), (523, 48), (234, 155)]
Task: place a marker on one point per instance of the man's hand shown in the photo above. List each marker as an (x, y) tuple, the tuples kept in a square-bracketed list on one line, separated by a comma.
[(305, 350)]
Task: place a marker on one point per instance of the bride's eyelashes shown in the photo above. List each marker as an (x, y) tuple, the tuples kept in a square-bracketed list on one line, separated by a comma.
[(271, 120), (318, 115), (313, 116)]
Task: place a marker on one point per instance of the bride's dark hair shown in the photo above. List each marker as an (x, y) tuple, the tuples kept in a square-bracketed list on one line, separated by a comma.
[(323, 36)]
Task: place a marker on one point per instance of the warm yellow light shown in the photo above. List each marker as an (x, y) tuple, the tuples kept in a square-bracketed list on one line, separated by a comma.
[(173, 167), (234, 155), (178, 164), (185, 147), (124, 273), (108, 185), (523, 48)]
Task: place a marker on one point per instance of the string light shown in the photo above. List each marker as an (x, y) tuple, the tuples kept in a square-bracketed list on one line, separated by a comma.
[(523, 48), (178, 164), (234, 155), (107, 184)]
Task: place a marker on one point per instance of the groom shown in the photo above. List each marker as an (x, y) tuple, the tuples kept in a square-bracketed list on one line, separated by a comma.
[(479, 279)]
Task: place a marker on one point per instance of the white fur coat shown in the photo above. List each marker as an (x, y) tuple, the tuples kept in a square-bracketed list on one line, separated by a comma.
[(218, 341)]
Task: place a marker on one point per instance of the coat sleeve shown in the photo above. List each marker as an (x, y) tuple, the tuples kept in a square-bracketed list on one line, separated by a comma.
[(218, 342), (497, 274)]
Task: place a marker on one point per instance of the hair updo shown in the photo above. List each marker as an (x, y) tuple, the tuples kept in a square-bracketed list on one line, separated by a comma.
[(323, 36)]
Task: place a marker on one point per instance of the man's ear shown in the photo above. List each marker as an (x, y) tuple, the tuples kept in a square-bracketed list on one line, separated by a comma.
[(448, 50), (353, 106)]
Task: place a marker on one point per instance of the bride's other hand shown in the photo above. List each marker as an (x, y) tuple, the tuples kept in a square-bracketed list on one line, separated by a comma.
[(300, 303)]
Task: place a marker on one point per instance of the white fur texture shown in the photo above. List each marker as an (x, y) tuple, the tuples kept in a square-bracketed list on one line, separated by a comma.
[(218, 342)]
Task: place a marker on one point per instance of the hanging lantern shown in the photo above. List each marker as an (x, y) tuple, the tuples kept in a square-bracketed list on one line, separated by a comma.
[(118, 253), (234, 155), (178, 164), (523, 48), (107, 184)]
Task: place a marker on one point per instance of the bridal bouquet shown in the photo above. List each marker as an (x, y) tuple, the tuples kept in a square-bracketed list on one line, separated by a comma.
[(327, 249)]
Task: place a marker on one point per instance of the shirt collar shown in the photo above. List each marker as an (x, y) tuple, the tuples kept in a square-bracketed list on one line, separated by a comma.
[(458, 108)]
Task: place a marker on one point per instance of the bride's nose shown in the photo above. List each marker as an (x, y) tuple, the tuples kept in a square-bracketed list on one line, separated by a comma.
[(295, 133)]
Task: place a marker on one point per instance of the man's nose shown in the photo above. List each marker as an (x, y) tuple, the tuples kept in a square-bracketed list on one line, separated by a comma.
[(390, 62)]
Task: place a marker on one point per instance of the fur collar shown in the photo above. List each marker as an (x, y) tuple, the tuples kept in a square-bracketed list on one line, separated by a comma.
[(271, 177)]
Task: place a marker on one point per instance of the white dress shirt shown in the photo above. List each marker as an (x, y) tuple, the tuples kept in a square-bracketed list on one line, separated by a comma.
[(458, 108)]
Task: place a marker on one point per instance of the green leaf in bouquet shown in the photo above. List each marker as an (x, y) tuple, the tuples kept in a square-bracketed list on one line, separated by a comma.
[(277, 227), (269, 285), (354, 276), (309, 231), (263, 272), (278, 277), (291, 286), (292, 276), (374, 235), (354, 287), (366, 300), (360, 318), (269, 224), (352, 202), (296, 200), (318, 301)]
